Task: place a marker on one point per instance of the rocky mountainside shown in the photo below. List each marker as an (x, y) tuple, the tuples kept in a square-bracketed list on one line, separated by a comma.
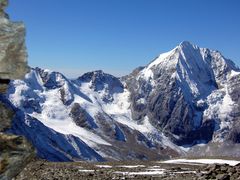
[(189, 93), (184, 101)]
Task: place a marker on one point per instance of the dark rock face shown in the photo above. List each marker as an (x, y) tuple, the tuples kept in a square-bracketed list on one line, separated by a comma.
[(51, 80), (171, 102), (16, 153), (5, 117), (167, 109), (81, 117)]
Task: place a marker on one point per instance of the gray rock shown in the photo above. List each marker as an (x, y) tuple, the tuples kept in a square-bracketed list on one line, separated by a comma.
[(3, 4), (13, 55), (5, 117), (81, 117), (15, 151), (223, 177)]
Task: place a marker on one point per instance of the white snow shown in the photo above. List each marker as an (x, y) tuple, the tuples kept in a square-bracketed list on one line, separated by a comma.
[(141, 101), (234, 73), (227, 105), (155, 169), (163, 60), (131, 166), (202, 161), (55, 114), (185, 172), (103, 166), (220, 106), (140, 173), (85, 170)]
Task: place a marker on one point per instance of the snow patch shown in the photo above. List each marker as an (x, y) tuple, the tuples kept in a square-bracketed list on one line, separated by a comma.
[(85, 170), (203, 161), (131, 166), (234, 73), (103, 166)]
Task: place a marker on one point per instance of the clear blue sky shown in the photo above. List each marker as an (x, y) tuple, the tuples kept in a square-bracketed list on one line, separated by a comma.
[(76, 36)]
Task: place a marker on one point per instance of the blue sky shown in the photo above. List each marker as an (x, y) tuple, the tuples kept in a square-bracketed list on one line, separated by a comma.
[(76, 36)]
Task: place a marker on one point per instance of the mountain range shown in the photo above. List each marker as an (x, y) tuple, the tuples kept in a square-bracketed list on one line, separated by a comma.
[(186, 102)]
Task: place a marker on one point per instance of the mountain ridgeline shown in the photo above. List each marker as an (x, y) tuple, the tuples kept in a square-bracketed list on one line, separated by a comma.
[(185, 102)]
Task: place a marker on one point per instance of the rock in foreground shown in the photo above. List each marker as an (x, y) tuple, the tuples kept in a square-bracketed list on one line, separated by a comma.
[(15, 151)]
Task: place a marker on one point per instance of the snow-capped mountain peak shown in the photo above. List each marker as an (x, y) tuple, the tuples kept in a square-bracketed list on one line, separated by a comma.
[(187, 96)]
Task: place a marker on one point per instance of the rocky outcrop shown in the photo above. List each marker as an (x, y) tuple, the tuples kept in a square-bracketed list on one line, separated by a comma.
[(5, 117), (81, 117), (15, 151), (221, 172), (13, 55), (3, 4)]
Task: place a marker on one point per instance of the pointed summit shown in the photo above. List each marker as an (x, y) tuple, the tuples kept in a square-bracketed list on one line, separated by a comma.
[(187, 45)]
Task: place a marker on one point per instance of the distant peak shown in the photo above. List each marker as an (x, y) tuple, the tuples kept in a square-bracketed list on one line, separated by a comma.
[(98, 72)]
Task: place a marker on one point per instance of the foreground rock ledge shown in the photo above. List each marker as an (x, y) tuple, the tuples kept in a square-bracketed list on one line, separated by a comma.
[(15, 151)]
